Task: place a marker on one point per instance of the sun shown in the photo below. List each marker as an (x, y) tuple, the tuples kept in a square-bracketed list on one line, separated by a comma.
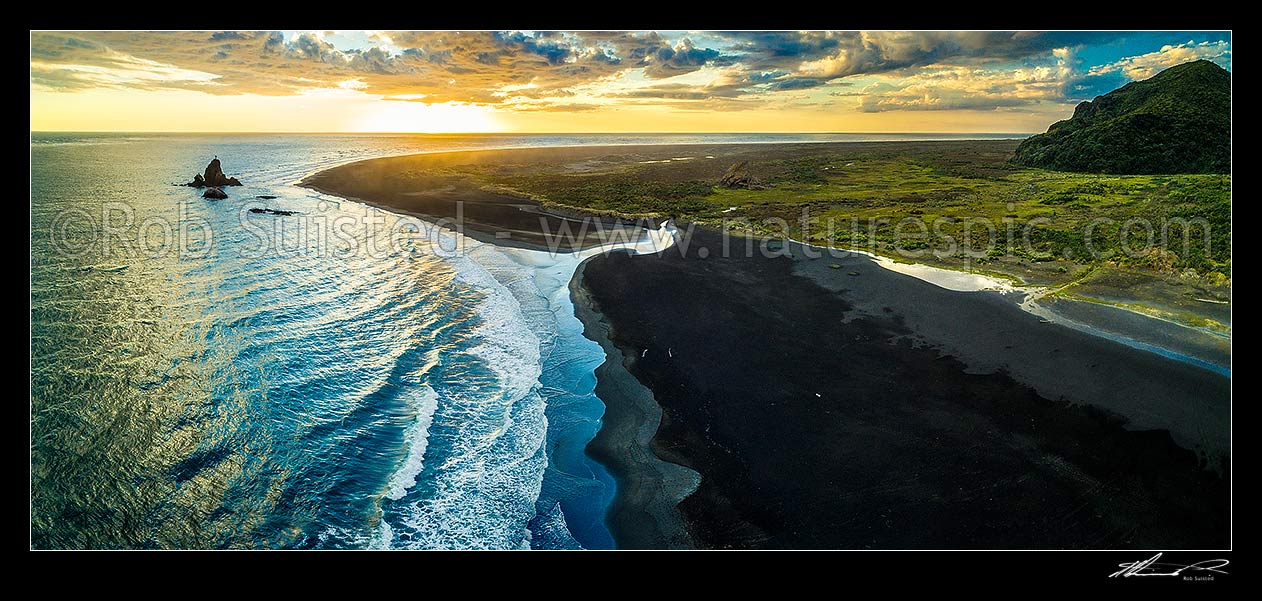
[(418, 117)]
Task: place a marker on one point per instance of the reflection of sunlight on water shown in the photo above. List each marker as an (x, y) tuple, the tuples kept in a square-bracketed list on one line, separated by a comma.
[(234, 401), (959, 281), (182, 402)]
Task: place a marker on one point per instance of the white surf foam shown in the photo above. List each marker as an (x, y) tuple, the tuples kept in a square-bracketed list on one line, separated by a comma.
[(487, 480), (424, 402), (489, 477)]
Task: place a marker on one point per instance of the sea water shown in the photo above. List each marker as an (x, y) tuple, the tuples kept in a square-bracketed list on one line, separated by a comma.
[(207, 377)]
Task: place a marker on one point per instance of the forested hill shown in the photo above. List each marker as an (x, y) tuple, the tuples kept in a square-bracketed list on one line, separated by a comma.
[(1178, 121)]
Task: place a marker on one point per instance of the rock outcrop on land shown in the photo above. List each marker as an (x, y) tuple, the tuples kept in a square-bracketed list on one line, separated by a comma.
[(737, 176)]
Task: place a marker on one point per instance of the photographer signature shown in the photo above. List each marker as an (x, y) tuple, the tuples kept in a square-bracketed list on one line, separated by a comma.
[(1151, 567)]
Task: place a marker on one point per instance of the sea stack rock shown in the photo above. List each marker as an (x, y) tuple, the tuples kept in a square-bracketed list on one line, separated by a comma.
[(214, 177), (737, 176), (215, 192)]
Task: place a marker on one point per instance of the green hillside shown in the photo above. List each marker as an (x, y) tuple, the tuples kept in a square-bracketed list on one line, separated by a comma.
[(1178, 121)]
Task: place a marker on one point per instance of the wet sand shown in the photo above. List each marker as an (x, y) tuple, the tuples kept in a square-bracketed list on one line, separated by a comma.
[(649, 489)]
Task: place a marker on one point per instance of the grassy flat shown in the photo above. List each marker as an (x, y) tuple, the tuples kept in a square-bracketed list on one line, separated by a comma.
[(913, 200)]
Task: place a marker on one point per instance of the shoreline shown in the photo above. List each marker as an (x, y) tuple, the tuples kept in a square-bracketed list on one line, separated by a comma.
[(482, 232), (1194, 347), (644, 513), (1199, 345), (630, 446)]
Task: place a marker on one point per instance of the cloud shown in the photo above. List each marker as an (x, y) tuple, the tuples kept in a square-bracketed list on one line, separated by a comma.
[(795, 83), (547, 70), (1102, 79), (443, 65), (1147, 65), (115, 70), (781, 61), (683, 57), (671, 91), (226, 35), (966, 88), (567, 107), (236, 63), (793, 45), (832, 55)]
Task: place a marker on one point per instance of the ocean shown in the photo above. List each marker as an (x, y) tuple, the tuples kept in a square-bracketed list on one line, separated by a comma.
[(207, 377)]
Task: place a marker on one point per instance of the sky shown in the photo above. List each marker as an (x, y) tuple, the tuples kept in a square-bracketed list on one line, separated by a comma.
[(588, 81)]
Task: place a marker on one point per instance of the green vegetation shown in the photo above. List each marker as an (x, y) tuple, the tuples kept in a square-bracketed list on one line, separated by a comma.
[(1178, 121), (958, 205), (623, 193), (913, 202)]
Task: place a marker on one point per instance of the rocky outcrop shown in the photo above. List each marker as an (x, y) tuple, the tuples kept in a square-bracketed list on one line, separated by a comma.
[(273, 211), (214, 192), (214, 176), (737, 176)]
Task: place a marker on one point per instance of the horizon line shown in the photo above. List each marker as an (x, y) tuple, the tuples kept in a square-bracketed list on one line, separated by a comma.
[(508, 133)]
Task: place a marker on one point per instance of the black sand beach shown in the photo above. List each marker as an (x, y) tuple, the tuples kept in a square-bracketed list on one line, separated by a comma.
[(649, 488), (819, 418), (850, 407)]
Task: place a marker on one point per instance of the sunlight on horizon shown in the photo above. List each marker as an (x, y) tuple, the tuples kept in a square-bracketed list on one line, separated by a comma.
[(586, 82), (418, 117)]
